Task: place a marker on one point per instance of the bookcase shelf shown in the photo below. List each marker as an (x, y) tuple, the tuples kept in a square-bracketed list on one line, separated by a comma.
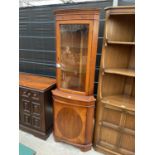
[(121, 42), (120, 29), (120, 101), (120, 71)]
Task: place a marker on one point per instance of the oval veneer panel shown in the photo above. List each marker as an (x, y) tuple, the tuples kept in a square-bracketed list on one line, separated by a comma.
[(69, 123)]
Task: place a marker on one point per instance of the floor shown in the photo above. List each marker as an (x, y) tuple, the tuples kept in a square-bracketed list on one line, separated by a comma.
[(50, 147)]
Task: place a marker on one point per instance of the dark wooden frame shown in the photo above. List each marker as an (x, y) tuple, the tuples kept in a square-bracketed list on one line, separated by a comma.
[(37, 96)]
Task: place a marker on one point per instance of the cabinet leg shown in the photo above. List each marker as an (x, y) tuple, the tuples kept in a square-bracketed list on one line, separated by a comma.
[(85, 149), (57, 139)]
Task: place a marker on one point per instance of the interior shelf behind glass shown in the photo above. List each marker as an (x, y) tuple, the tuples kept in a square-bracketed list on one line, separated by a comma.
[(74, 53)]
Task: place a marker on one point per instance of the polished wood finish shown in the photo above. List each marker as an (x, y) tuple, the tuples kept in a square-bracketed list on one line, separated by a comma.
[(120, 10), (127, 72), (35, 82), (73, 115), (88, 17), (120, 101), (35, 104), (120, 42), (76, 47), (115, 114)]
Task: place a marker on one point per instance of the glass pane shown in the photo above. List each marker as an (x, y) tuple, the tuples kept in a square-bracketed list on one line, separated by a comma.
[(74, 49)]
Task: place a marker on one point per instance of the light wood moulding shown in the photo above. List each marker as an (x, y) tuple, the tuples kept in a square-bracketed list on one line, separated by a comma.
[(77, 14), (120, 10)]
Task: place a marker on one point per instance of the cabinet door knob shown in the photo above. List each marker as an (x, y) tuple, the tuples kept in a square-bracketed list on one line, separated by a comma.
[(58, 65)]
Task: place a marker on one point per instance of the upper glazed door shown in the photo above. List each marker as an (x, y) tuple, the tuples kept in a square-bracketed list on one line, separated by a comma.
[(73, 55)]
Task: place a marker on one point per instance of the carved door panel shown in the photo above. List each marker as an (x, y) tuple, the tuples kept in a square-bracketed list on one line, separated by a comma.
[(127, 141), (127, 144), (27, 119), (109, 127), (37, 109), (117, 130), (31, 108), (36, 122), (25, 106)]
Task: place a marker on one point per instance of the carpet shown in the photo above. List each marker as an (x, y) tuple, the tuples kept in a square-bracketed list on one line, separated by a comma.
[(24, 150)]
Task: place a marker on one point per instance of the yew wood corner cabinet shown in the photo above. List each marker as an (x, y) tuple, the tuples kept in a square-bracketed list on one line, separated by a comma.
[(76, 46), (35, 104), (115, 114)]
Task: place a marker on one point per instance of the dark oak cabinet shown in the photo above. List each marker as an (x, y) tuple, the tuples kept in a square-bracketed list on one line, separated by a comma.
[(35, 104), (76, 46)]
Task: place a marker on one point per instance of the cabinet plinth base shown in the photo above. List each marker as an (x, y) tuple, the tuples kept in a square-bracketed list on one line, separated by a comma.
[(83, 148), (40, 134), (73, 119)]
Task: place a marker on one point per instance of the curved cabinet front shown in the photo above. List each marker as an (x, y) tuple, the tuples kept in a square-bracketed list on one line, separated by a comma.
[(73, 119)]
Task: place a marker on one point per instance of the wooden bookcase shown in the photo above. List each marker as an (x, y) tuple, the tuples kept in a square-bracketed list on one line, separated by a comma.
[(76, 47), (115, 114)]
